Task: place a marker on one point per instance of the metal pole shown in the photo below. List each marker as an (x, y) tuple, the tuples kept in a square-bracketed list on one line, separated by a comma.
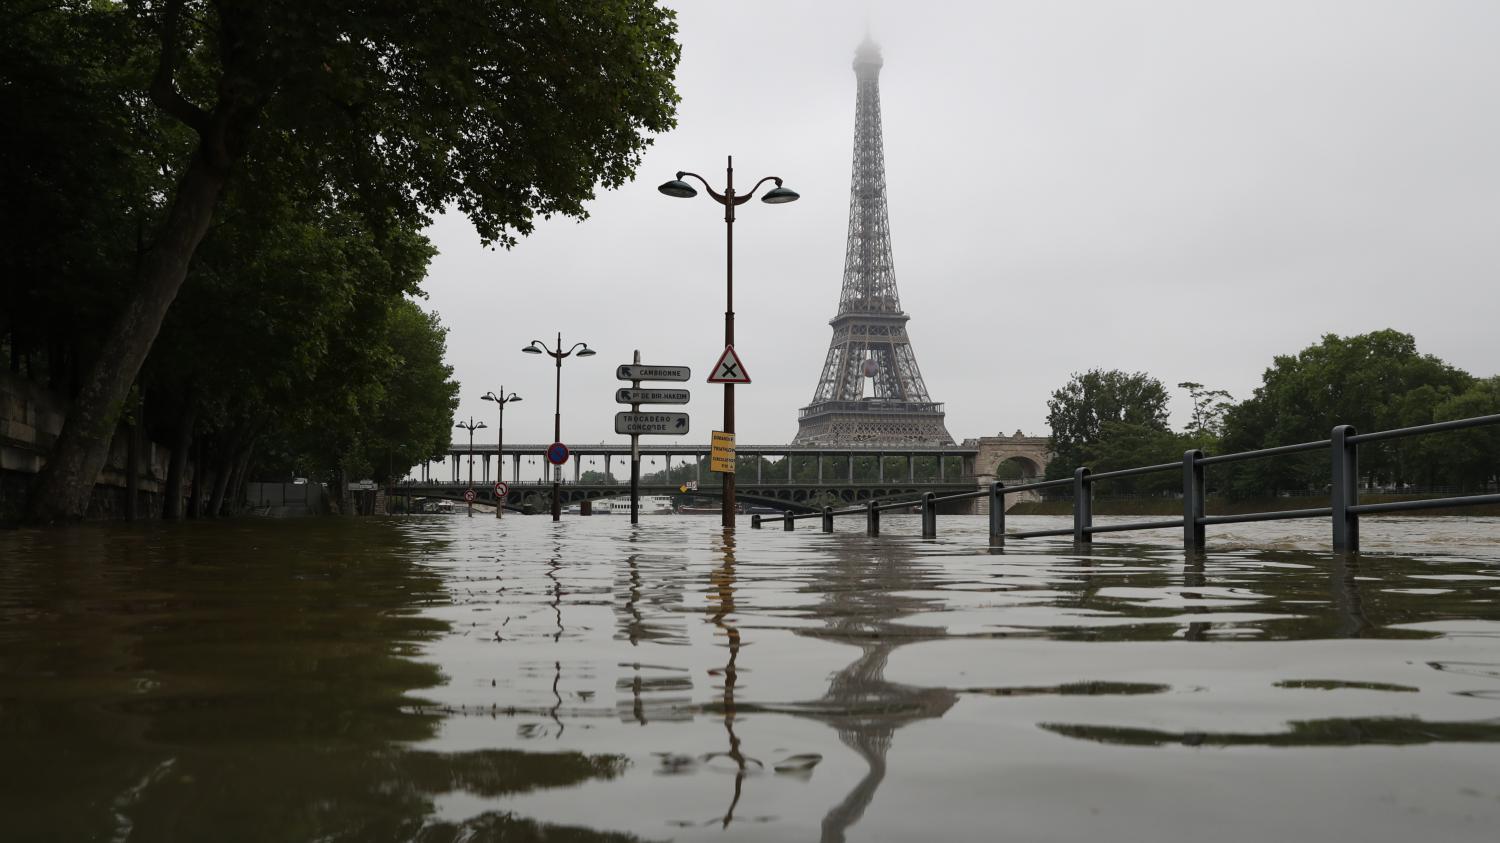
[(997, 513), (755, 522), (469, 497), (500, 452), (929, 516), (827, 519), (786, 520), (557, 434), (872, 518), (728, 506), (635, 458), (1083, 506), (1193, 530), (1345, 491)]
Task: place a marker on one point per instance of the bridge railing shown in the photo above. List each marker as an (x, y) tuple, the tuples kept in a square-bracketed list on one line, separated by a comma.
[(1344, 509)]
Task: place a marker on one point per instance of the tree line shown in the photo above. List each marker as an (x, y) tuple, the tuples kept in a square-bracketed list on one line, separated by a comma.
[(1110, 420), (213, 211)]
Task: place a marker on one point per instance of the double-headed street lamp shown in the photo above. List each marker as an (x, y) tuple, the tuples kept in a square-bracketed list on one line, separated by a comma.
[(583, 350), (776, 196), (500, 401), (471, 427)]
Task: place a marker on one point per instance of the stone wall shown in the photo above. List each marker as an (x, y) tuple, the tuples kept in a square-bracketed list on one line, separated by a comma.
[(31, 418)]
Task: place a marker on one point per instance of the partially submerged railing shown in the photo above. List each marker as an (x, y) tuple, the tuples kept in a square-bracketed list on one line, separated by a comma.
[(1344, 509)]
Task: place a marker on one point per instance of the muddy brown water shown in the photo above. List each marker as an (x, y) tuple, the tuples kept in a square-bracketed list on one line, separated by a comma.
[(447, 678)]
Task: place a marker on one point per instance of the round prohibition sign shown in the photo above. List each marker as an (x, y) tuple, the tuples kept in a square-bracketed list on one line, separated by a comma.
[(469, 495), (557, 453), (501, 488)]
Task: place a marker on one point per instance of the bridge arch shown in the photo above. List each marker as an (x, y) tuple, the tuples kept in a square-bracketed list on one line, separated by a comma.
[(1005, 455)]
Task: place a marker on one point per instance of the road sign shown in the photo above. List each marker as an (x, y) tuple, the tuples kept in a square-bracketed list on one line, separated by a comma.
[(660, 424), (469, 495), (690, 486), (650, 372), (729, 369), (625, 395), (501, 488), (557, 453), (721, 453)]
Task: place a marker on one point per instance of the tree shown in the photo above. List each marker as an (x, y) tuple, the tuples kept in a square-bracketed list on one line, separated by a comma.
[(1209, 408), (1373, 381), (392, 110), (1080, 411)]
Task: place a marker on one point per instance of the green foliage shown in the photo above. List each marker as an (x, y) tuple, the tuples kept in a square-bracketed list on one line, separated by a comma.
[(1210, 406), (1081, 412), (1373, 381)]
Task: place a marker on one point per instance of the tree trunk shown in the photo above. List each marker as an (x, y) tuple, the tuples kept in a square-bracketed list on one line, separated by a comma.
[(62, 492), (133, 469), (171, 506), (222, 471), (200, 481), (237, 479)]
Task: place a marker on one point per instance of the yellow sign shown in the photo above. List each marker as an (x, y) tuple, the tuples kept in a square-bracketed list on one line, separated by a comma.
[(721, 455)]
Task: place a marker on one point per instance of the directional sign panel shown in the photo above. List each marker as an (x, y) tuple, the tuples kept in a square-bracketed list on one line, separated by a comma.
[(729, 369), (651, 396), (660, 424), (652, 372)]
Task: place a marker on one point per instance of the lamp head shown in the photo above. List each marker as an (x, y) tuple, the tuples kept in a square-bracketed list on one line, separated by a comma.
[(678, 189), (488, 396), (780, 195), (514, 397), (586, 352), (478, 426), (531, 349)]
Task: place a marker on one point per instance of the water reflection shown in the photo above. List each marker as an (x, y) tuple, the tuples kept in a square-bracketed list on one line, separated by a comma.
[(861, 585), (721, 596), (208, 682)]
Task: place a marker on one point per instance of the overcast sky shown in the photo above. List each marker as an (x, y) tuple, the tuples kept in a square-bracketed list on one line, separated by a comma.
[(1181, 188)]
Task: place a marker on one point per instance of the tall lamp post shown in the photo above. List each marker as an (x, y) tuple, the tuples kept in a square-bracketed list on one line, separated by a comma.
[(778, 195), (500, 401), (583, 350), (471, 427)]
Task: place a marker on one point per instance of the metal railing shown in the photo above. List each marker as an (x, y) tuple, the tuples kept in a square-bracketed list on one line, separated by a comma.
[(1344, 511)]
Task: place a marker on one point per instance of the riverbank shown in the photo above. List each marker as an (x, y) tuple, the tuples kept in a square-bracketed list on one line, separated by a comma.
[(1216, 505)]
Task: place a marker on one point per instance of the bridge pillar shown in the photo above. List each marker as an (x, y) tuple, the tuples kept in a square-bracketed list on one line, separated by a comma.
[(982, 505), (759, 463), (911, 468), (851, 466), (880, 459), (820, 466), (515, 465)]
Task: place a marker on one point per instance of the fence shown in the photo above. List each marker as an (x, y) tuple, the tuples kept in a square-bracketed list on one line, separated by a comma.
[(1344, 512)]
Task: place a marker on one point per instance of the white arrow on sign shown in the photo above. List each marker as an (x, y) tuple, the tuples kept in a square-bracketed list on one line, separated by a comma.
[(659, 424), (651, 372), (729, 369), (626, 395)]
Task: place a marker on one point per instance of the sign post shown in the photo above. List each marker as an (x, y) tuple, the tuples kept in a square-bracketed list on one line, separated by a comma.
[(637, 423)]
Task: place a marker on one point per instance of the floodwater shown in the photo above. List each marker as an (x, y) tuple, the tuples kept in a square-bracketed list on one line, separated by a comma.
[(449, 678)]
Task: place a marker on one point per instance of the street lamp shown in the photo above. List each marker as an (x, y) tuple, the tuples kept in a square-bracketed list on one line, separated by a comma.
[(471, 427), (583, 350), (500, 403), (779, 195)]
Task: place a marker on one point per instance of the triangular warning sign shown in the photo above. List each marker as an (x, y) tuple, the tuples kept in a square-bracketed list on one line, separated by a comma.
[(729, 369)]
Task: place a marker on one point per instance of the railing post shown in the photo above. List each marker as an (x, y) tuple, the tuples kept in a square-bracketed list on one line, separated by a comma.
[(1083, 506), (827, 519), (872, 518), (997, 513), (929, 516), (1345, 490), (786, 520), (755, 522), (1193, 531)]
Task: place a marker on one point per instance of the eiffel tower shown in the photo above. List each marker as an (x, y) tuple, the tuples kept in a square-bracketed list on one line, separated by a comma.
[(869, 332)]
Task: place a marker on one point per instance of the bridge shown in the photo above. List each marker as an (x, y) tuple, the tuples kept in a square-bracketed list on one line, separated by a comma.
[(787, 477)]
